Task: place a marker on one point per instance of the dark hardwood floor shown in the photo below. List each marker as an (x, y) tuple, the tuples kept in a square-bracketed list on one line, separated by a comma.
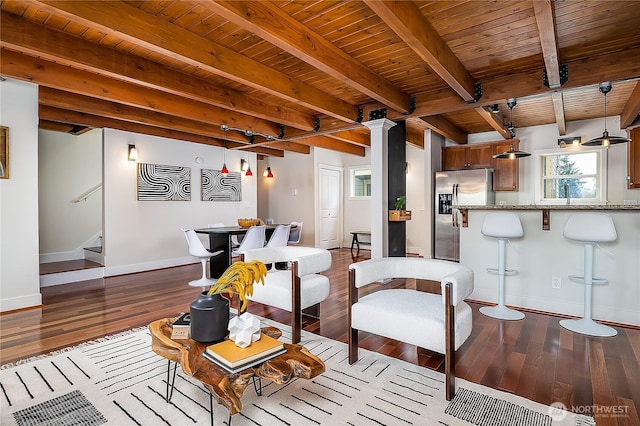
[(534, 358)]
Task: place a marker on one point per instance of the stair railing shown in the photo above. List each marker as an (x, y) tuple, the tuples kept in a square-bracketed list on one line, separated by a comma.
[(88, 194)]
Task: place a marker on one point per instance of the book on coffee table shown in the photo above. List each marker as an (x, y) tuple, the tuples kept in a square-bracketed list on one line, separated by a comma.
[(180, 327), (234, 358)]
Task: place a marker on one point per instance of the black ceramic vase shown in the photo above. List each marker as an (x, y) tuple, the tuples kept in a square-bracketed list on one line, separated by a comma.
[(209, 318)]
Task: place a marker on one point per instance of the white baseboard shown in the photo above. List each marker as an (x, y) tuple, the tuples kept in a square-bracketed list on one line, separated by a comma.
[(148, 266), (58, 257), (71, 276), (21, 302)]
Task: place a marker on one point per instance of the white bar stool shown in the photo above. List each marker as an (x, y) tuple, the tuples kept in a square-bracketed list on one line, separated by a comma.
[(502, 226), (590, 229)]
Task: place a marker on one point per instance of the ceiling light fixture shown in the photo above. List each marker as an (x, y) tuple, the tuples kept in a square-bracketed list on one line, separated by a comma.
[(224, 171), (494, 108), (244, 165), (606, 140), (511, 154), (267, 172)]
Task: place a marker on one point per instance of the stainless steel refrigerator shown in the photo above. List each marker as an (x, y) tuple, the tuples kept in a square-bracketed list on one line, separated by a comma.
[(461, 187)]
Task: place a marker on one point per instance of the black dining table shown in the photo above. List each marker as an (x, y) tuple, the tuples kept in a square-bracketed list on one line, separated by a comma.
[(220, 239)]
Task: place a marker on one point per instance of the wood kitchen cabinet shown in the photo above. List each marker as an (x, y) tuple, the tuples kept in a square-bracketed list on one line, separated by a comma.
[(476, 156), (479, 156), (505, 171), (633, 160)]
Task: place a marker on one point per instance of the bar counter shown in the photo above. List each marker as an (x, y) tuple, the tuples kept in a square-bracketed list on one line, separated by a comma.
[(546, 209), (544, 256)]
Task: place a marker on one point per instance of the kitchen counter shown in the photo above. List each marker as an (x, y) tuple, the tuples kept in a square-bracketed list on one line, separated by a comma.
[(546, 209)]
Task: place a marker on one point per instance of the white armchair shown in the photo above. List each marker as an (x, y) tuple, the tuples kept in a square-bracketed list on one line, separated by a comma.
[(441, 323), (298, 288)]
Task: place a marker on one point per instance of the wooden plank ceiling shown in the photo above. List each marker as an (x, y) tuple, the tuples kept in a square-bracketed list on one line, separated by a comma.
[(296, 74)]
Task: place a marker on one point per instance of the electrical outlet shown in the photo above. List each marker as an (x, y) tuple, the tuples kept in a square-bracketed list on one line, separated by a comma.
[(556, 282)]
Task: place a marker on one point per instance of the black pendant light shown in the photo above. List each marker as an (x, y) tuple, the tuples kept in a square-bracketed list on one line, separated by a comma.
[(512, 153), (606, 140)]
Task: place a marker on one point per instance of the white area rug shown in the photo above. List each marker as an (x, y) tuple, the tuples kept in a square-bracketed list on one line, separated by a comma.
[(120, 381)]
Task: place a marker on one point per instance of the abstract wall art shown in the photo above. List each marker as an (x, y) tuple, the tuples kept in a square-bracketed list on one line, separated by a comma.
[(216, 187), (158, 182)]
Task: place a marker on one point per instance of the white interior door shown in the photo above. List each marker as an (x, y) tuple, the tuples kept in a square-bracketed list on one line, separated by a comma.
[(330, 193)]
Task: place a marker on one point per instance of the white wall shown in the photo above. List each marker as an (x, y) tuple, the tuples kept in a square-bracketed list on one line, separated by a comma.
[(69, 167), (289, 196), (19, 276), (142, 235)]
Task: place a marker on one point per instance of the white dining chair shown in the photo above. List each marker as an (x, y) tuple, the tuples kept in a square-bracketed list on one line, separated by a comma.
[(253, 238), (197, 249), (295, 233), (280, 236)]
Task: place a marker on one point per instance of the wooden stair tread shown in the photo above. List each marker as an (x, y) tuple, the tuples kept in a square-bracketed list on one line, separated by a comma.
[(67, 266)]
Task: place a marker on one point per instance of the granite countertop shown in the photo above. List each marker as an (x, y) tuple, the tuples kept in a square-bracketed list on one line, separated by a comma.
[(620, 207)]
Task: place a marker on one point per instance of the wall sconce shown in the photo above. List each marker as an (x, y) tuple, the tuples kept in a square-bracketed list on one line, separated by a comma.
[(133, 153), (246, 168), (571, 141), (267, 173)]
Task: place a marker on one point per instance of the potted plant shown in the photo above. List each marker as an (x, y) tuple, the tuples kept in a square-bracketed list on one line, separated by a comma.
[(210, 312), (398, 214)]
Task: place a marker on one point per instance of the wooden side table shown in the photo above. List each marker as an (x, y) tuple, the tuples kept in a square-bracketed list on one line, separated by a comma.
[(227, 388)]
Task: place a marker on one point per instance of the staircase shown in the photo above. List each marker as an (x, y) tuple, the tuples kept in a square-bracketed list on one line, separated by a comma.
[(70, 271)]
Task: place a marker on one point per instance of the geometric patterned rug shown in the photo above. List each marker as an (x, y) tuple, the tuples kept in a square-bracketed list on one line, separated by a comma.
[(119, 380)]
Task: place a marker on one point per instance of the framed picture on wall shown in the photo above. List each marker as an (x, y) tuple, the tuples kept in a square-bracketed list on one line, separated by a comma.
[(157, 182), (4, 152), (217, 187)]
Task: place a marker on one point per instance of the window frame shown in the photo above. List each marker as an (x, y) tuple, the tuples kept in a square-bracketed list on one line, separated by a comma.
[(352, 186), (601, 175)]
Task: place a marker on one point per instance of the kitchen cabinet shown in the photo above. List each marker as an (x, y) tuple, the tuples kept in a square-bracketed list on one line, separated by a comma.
[(505, 171), (475, 156), (633, 160), (480, 156)]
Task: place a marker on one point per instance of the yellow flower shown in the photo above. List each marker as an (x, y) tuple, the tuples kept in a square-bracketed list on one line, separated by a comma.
[(239, 279)]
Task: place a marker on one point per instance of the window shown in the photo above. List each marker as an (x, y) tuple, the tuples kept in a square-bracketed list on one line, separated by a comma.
[(361, 182), (577, 176)]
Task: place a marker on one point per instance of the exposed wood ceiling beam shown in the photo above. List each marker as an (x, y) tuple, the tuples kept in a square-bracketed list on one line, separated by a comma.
[(409, 23), (631, 108), (494, 121), (49, 74), (332, 144), (558, 107), (585, 72), (42, 41), (291, 146), (548, 34), (441, 125), (72, 129), (269, 22), (362, 138), (157, 35), (415, 135), (546, 22)]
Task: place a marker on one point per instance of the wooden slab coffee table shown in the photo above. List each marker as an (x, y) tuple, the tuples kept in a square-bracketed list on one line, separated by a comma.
[(227, 388)]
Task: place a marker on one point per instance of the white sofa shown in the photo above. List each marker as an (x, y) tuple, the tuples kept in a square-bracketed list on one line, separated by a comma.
[(440, 323), (299, 287)]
